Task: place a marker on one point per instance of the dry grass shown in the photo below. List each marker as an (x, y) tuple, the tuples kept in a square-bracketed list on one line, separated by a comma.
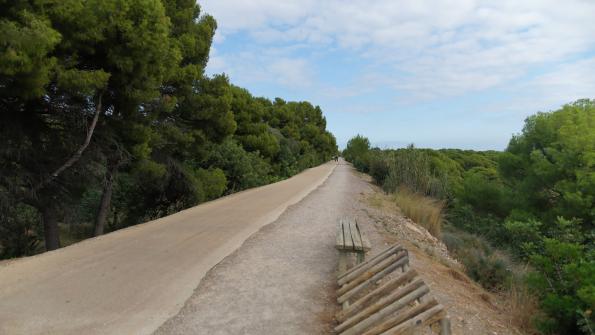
[(523, 306), (425, 211)]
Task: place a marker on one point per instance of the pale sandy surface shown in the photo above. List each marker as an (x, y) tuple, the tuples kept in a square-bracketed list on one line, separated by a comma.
[(133, 280), (282, 279)]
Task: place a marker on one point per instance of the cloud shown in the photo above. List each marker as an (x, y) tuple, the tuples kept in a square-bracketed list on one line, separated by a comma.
[(273, 65), (425, 49), (560, 84), (290, 72)]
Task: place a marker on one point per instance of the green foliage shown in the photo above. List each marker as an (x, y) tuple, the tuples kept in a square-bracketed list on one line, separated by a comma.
[(25, 61), (379, 166), (212, 182), (356, 152), (552, 163), (242, 169), (415, 169), (481, 262), (565, 281), (19, 233), (483, 190)]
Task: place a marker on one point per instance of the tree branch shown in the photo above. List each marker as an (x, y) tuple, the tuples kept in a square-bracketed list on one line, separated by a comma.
[(76, 156)]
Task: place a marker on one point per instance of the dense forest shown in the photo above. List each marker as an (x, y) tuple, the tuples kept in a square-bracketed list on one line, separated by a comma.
[(532, 204), (107, 120)]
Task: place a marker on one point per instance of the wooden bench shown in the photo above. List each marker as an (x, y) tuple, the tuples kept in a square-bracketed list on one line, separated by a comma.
[(378, 300), (350, 240)]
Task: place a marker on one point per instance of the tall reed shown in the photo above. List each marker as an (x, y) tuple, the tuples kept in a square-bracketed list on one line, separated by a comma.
[(412, 167)]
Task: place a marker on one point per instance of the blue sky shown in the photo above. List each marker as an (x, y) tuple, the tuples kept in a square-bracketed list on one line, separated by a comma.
[(440, 74)]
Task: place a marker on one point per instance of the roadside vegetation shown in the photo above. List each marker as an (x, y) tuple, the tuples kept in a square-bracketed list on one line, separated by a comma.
[(107, 120), (520, 221)]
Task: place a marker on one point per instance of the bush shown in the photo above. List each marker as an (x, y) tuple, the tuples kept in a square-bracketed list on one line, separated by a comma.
[(463, 216), (412, 168), (242, 169), (356, 152), (378, 167), (482, 263), (564, 279), (20, 232)]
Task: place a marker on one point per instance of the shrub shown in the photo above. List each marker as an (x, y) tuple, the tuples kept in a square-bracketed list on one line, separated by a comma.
[(482, 263), (412, 168), (564, 279), (20, 232), (378, 167), (356, 152)]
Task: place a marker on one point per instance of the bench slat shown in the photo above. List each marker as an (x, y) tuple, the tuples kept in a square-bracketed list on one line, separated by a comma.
[(355, 234), (340, 243), (365, 242), (347, 233)]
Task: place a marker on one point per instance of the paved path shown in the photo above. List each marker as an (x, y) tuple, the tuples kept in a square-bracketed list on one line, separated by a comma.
[(133, 280), (281, 281)]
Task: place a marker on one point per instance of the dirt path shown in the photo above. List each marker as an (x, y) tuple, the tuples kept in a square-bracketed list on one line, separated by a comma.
[(281, 281), (132, 280)]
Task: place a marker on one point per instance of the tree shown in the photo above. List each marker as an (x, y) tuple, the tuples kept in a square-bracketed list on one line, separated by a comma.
[(356, 150), (98, 57)]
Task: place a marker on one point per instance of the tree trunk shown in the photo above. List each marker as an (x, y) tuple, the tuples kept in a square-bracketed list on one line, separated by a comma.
[(50, 229), (106, 198)]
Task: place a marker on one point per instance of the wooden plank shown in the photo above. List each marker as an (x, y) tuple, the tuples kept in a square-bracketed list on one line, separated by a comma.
[(386, 311), (367, 274), (376, 294), (380, 304), (445, 326), (356, 236), (372, 279), (347, 233), (370, 262), (340, 242), (426, 318), (365, 242), (398, 318)]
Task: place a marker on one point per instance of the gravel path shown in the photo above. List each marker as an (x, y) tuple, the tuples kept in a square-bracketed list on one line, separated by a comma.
[(281, 280)]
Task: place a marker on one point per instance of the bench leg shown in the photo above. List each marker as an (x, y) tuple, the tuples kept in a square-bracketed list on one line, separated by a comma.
[(445, 326), (342, 263), (360, 257), (345, 304)]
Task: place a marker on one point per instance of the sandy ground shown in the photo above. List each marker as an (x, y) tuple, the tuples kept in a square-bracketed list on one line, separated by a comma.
[(133, 280)]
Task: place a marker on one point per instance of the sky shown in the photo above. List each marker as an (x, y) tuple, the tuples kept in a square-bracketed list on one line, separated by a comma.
[(436, 73)]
